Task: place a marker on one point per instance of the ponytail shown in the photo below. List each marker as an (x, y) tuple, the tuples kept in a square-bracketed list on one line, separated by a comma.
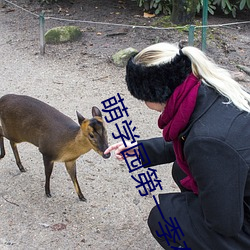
[(218, 78)]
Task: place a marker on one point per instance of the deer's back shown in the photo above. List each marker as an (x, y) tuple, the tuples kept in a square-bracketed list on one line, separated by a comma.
[(24, 118)]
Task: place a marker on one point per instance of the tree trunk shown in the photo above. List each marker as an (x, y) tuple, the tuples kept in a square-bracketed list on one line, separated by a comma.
[(183, 11)]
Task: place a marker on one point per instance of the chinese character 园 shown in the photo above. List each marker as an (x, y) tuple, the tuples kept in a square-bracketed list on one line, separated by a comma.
[(141, 158)]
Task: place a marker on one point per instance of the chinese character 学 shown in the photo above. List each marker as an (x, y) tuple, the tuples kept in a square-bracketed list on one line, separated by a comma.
[(128, 135)]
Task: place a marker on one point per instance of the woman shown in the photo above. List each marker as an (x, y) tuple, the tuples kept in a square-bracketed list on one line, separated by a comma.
[(205, 118)]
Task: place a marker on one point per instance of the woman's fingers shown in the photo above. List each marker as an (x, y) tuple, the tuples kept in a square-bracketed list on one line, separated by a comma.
[(119, 147), (119, 157), (113, 147)]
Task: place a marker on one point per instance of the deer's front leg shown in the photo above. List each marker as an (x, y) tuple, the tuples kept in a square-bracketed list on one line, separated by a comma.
[(71, 168), (48, 165)]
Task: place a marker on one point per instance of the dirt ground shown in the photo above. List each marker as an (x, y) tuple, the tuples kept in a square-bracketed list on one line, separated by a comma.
[(77, 76)]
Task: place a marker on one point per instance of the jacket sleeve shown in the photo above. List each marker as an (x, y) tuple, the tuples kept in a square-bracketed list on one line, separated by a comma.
[(158, 151), (220, 173)]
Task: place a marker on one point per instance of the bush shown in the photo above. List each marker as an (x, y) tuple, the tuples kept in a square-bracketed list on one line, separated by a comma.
[(231, 6), (156, 6), (165, 6)]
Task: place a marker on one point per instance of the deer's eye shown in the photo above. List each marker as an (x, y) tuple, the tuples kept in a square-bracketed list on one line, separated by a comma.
[(91, 136)]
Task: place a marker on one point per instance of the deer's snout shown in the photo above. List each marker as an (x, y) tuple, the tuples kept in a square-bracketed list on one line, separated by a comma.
[(106, 156)]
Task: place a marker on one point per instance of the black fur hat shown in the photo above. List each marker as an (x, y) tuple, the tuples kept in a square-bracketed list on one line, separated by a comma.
[(156, 83)]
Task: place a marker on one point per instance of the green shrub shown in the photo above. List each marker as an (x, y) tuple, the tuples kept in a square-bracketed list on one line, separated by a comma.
[(232, 6), (211, 7), (157, 6), (227, 6)]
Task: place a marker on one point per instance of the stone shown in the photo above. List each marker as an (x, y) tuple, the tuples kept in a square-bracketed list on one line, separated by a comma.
[(244, 68), (121, 58), (2, 3), (63, 34), (239, 76)]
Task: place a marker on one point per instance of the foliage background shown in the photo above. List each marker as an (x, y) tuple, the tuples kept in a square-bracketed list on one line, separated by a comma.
[(164, 6)]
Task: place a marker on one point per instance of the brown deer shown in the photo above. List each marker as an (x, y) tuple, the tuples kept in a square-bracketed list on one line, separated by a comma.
[(59, 138)]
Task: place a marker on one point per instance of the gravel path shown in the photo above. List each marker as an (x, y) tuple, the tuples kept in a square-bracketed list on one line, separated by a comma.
[(115, 215)]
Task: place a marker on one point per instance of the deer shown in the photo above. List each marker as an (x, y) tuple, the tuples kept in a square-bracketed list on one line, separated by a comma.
[(58, 138)]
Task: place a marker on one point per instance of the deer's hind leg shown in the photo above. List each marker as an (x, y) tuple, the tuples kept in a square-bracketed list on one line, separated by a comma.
[(15, 151), (71, 168), (1, 144)]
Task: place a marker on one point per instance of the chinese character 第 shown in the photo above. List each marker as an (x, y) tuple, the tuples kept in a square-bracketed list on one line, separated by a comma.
[(141, 158), (111, 106), (128, 133), (147, 182)]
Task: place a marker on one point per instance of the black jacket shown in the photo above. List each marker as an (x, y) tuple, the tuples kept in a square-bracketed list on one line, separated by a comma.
[(216, 145)]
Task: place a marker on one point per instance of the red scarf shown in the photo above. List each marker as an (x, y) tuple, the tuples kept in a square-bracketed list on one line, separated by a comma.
[(174, 119)]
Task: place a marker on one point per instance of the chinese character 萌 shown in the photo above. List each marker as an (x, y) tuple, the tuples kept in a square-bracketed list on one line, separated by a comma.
[(112, 107)]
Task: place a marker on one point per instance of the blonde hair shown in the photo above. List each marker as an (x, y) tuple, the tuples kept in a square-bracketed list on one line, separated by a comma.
[(203, 67)]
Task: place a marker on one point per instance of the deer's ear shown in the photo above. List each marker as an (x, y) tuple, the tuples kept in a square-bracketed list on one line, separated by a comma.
[(80, 118), (96, 112)]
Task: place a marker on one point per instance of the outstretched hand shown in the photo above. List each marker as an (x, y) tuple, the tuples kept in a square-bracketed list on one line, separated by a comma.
[(119, 147)]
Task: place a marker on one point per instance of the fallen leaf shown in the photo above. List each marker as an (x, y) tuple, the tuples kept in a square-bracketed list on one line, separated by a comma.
[(58, 227), (147, 15)]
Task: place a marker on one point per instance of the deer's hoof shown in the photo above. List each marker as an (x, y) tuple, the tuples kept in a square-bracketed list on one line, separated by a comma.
[(82, 198)]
